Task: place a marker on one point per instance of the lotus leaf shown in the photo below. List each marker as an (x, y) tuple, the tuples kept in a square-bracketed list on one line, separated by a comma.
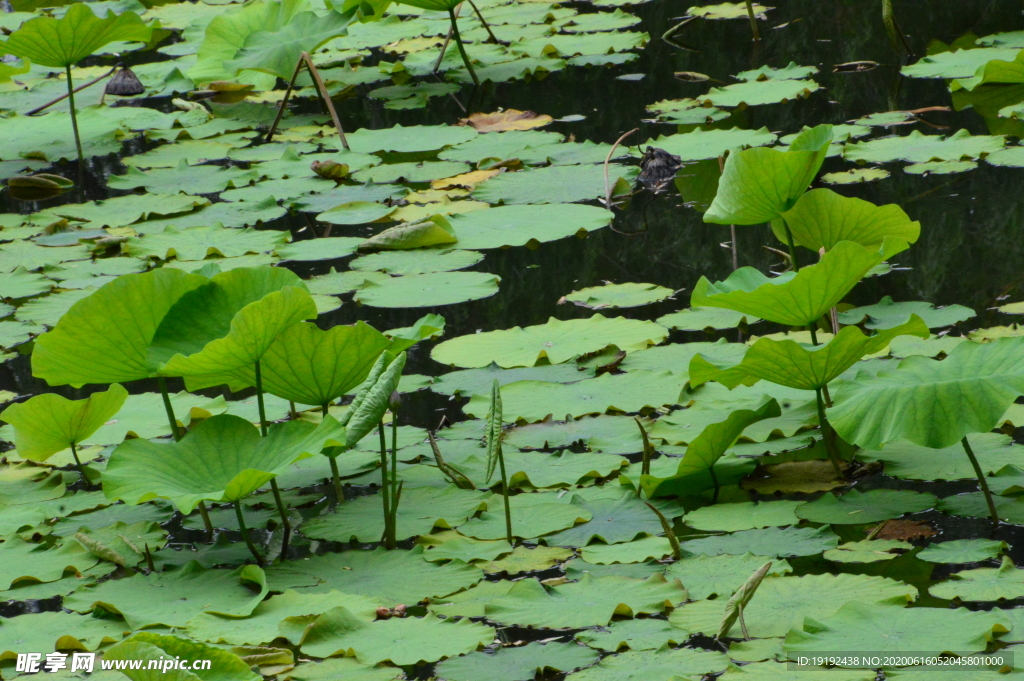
[(962, 551), (662, 665), (618, 295), (782, 603), (974, 505), (796, 298), (705, 144), (614, 521), (794, 365), (403, 641), (445, 546), (409, 139), (701, 318), (957, 63), (197, 243), (588, 602), (428, 290), (48, 632), (983, 584), (532, 516), (50, 423), (638, 551), (391, 576), (707, 576), (222, 459), (821, 219), (554, 184), (500, 145), (972, 388), (636, 634), (524, 559), (173, 598), (743, 516), (887, 314), (855, 176), (517, 664), (343, 669), (919, 148), (27, 255), (556, 341), (21, 283), (696, 470), (790, 541), (123, 544), (527, 225), (758, 92), (26, 562), (894, 631), (856, 507), (147, 646), (277, 51), (62, 42), (47, 310), (196, 179), (537, 469)]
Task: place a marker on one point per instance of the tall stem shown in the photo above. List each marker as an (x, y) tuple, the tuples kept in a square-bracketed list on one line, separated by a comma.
[(74, 118), (284, 100), (812, 327), (339, 495), (792, 246), (504, 491), (245, 533), (259, 401), (81, 468), (325, 97), (394, 478), (462, 49), (384, 490), (281, 509), (176, 434), (753, 20), (483, 21), (981, 480), (826, 434)]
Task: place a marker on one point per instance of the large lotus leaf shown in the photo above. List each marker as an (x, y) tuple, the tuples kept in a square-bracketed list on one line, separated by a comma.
[(105, 337), (25, 563), (758, 92), (695, 470), (919, 148), (222, 459), (618, 295), (856, 507), (995, 71), (553, 184), (796, 365), (773, 541), (421, 509), (265, 622), (194, 179), (958, 63), (886, 314), (231, 321), (757, 185), (517, 663), (631, 392), (310, 366), (143, 415), (710, 144), (533, 515), (226, 34), (636, 634), (277, 51), (615, 520), (822, 218), (417, 262), (527, 225), (706, 576), (933, 403), (665, 664), (782, 603), (983, 584), (31, 256), (402, 641), (556, 341), (796, 298), (427, 290), (592, 601), (859, 626), (50, 423), (23, 284), (197, 243), (346, 669), (391, 576), (130, 208), (48, 632), (962, 551), (539, 469), (153, 648), (62, 42), (173, 598), (743, 516)]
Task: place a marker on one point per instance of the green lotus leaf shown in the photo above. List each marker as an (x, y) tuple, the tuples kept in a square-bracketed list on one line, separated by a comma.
[(532, 516), (408, 139), (618, 295), (773, 541), (448, 546), (278, 51), (191, 179), (231, 321), (7, 71), (417, 262), (698, 319), (821, 219), (958, 63), (50, 423), (962, 551), (427, 327), (695, 470), (514, 664), (427, 290), (222, 459), (540, 469), (920, 148), (614, 521), (983, 584), (62, 42), (857, 508), (346, 669), (197, 243), (552, 184), (556, 341), (667, 663), (867, 551), (743, 516), (933, 403), (434, 231), (796, 298), (592, 601), (527, 225), (636, 551), (151, 647), (858, 626), (706, 576), (886, 314), (48, 632), (368, 412), (906, 460), (469, 382), (123, 544), (757, 185), (309, 250), (758, 92), (410, 171), (106, 337), (27, 562), (173, 598), (795, 365), (23, 284), (143, 415), (710, 144)]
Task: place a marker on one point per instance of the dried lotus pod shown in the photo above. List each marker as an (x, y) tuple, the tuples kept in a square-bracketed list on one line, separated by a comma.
[(331, 170), (383, 613), (124, 83)]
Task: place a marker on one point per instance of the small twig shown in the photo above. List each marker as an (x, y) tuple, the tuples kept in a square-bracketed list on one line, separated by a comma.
[(65, 95), (284, 100), (326, 98), (483, 21), (607, 161), (444, 46)]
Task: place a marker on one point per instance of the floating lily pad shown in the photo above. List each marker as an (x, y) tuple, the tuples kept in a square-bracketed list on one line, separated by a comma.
[(554, 184), (707, 576), (867, 551), (743, 516), (793, 541), (728, 10), (962, 551), (618, 295), (526, 225), (920, 148), (318, 249), (517, 664), (701, 318), (666, 663), (416, 261), (635, 634), (856, 507), (409, 139), (855, 176), (903, 459), (428, 290), (701, 144), (758, 92), (887, 314)]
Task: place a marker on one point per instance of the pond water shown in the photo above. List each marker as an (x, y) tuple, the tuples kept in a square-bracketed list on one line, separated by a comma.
[(969, 253)]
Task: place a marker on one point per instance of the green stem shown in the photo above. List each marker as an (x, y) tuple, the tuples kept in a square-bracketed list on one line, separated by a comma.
[(483, 21), (394, 479), (294, 412), (81, 468), (207, 523), (812, 327), (830, 445), (504, 491), (981, 480), (792, 246), (245, 533), (335, 476), (259, 401), (384, 490), (462, 49), (74, 117), (714, 481), (753, 20), (171, 421), (282, 511)]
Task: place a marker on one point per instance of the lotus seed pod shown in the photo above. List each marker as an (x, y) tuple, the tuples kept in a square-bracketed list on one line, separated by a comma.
[(331, 170)]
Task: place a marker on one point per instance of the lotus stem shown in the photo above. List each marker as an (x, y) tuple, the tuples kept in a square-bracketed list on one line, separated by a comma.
[(666, 526), (259, 400), (812, 327), (462, 48), (753, 20), (63, 97), (171, 420), (149, 559), (339, 494), (245, 533), (395, 490), (743, 624), (792, 247), (607, 161), (504, 491), (714, 481), (384, 490), (282, 511), (981, 481), (74, 118), (207, 523), (893, 29), (444, 48), (732, 228), (645, 466), (292, 411), (284, 100), (325, 97), (483, 21), (830, 445), (81, 468)]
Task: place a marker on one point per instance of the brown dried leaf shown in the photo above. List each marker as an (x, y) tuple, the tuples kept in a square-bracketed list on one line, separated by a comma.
[(904, 530), (509, 119)]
